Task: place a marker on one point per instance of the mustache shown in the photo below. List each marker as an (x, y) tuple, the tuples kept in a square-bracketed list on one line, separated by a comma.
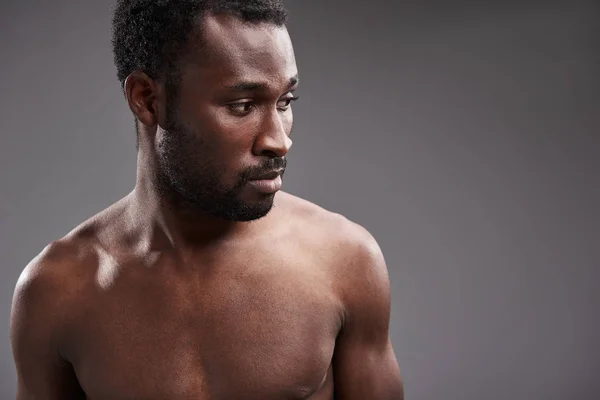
[(269, 165)]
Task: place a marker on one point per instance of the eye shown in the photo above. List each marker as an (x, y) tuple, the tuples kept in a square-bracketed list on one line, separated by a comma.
[(284, 103), (241, 108)]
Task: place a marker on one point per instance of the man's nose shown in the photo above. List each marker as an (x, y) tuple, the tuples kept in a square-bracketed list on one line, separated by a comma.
[(273, 139)]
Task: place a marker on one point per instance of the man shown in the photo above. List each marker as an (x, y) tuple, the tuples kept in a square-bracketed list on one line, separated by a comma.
[(207, 281)]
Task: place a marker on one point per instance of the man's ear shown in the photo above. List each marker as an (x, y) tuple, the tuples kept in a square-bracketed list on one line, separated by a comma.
[(143, 96)]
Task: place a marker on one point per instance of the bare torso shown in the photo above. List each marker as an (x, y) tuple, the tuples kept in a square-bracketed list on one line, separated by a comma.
[(255, 318)]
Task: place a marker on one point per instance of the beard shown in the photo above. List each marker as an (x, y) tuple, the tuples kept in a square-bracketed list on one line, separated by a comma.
[(190, 179)]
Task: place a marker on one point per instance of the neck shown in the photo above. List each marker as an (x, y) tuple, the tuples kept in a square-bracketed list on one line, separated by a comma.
[(165, 222)]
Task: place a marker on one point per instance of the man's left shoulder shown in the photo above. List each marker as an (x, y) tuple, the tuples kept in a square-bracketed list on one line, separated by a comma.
[(349, 244), (359, 258)]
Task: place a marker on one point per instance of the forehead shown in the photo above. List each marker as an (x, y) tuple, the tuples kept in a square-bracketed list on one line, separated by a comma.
[(229, 50)]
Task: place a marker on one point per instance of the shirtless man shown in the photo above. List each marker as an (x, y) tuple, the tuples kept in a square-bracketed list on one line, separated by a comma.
[(207, 282)]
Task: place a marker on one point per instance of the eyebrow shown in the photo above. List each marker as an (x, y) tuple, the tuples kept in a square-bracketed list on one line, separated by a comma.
[(250, 86)]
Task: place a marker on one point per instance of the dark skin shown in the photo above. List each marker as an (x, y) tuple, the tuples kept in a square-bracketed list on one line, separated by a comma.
[(154, 299)]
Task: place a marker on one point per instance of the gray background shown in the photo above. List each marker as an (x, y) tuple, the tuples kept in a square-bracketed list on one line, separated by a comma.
[(464, 136)]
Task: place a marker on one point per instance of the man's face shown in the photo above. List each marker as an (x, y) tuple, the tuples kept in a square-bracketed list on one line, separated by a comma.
[(230, 121)]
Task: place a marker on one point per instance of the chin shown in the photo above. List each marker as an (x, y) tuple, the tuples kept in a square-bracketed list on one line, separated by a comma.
[(255, 211), (242, 210)]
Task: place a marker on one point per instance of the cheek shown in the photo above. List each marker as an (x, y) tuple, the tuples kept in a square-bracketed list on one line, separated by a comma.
[(235, 128), (235, 135), (287, 121), (231, 141), (222, 137)]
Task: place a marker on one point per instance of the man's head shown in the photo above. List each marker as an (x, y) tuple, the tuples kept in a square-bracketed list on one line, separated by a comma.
[(211, 83)]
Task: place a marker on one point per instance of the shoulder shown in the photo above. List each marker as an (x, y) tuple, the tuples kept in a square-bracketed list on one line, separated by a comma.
[(52, 274), (45, 295), (62, 265), (360, 269), (353, 254), (342, 236), (59, 277)]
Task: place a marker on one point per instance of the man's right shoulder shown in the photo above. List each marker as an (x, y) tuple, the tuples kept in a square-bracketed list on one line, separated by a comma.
[(55, 275), (49, 292), (64, 265)]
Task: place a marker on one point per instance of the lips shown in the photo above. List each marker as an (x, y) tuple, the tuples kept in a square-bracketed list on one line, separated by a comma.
[(267, 186), (267, 183), (266, 176)]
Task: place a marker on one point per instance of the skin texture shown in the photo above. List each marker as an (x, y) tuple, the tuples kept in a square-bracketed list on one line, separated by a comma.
[(161, 296)]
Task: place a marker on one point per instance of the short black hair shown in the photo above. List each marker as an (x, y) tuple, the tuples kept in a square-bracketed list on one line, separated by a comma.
[(151, 35)]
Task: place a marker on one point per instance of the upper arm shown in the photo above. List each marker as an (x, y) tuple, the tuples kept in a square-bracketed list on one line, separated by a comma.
[(35, 329), (364, 362)]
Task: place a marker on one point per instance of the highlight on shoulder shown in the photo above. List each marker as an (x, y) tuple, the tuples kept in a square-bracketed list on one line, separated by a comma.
[(53, 270)]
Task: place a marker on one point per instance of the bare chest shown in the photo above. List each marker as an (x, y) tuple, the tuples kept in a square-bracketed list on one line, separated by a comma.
[(266, 333)]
